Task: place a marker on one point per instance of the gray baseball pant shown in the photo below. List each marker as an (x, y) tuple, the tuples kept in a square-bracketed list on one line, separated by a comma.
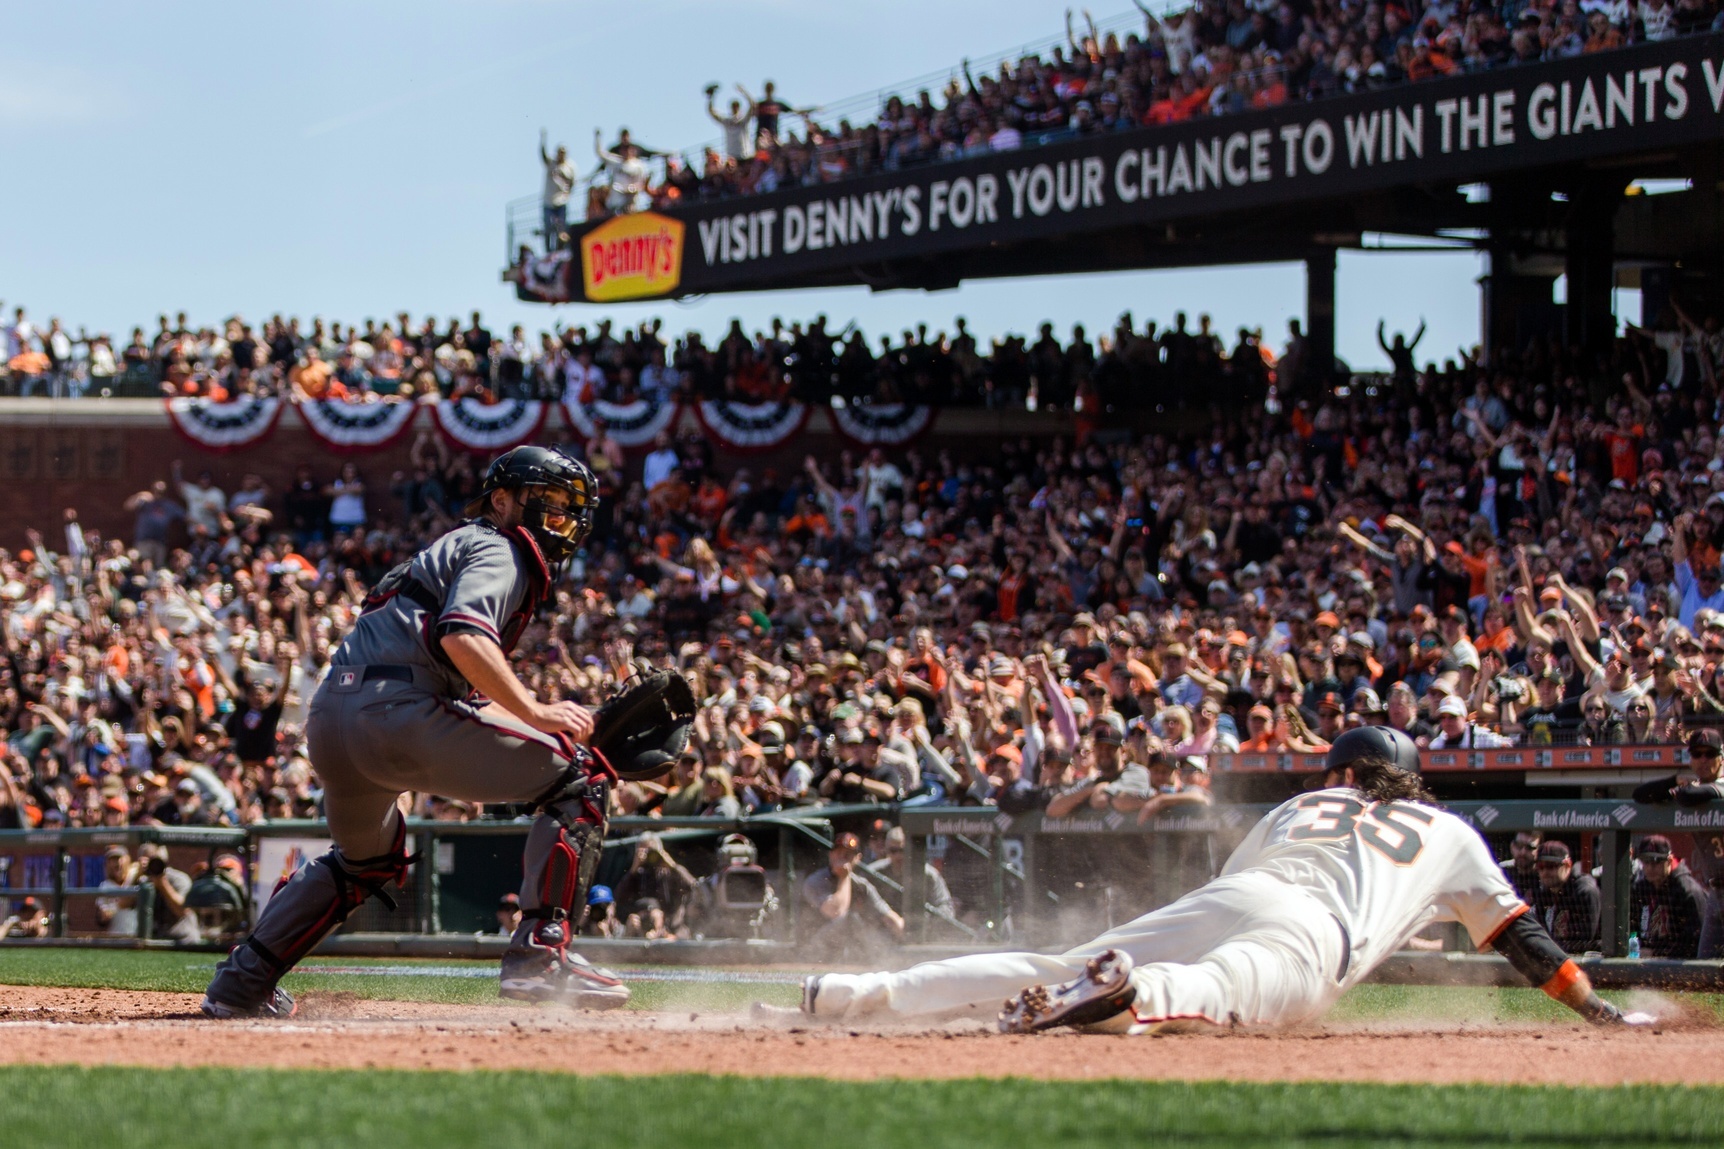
[(373, 739)]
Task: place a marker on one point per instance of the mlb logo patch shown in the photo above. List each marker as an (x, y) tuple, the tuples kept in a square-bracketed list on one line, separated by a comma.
[(347, 678)]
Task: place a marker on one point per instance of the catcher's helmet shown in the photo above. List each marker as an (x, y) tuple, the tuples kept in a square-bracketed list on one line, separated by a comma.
[(559, 531), (1384, 742)]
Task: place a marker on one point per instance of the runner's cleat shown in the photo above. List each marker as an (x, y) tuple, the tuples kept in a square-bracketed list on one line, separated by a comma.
[(810, 991), (280, 1005), (1103, 991)]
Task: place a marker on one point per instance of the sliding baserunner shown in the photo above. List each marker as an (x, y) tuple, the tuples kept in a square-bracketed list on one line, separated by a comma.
[(1322, 890)]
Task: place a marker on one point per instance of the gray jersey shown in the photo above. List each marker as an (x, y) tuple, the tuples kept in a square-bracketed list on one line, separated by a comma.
[(481, 577)]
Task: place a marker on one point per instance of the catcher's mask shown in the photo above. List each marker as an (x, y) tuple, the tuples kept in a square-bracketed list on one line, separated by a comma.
[(558, 528)]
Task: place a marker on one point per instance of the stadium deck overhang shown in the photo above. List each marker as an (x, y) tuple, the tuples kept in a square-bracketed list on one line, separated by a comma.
[(1536, 165)]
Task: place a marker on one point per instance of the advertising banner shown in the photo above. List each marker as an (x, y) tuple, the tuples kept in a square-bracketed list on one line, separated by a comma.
[(632, 257), (1452, 130)]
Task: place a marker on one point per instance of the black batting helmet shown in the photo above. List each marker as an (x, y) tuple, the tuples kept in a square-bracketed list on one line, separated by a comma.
[(1379, 742), (559, 531)]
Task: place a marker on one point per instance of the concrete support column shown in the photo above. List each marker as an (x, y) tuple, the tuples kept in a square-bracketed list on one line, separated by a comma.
[(1516, 301), (1589, 262), (1320, 317)]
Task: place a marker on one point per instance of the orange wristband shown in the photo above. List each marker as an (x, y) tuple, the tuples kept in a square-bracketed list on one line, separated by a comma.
[(1561, 981)]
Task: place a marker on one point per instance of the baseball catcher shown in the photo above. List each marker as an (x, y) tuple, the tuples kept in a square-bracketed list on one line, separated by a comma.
[(1320, 891), (420, 697)]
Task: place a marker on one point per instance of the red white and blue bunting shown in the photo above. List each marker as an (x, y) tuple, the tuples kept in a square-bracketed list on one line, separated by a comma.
[(747, 427), (353, 428), (486, 428), (224, 427), (881, 424), (548, 278), (633, 424)]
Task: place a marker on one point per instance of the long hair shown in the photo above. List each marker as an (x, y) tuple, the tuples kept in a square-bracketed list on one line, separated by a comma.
[(1379, 780)]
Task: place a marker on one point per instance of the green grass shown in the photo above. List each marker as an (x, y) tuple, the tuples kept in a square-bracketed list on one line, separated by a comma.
[(190, 972), (218, 1108), (185, 972), (1434, 1003)]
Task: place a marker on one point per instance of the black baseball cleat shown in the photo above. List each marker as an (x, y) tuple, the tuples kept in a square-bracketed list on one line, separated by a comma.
[(1101, 992), (280, 1006)]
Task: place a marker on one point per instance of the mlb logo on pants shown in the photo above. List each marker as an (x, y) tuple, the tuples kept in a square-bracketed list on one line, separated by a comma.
[(347, 678)]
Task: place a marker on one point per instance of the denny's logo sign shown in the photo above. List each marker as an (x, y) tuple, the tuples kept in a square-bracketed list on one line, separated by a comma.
[(632, 257)]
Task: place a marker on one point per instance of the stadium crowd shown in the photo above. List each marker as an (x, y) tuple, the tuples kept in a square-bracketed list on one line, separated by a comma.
[(1490, 553), (400, 359), (1215, 58), (1125, 369)]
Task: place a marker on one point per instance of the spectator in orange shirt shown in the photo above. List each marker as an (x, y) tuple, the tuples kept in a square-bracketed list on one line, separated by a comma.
[(1262, 735), (313, 379), (1479, 562), (1183, 102), (1420, 62), (670, 496), (709, 500), (1496, 634), (1622, 440), (1601, 34), (1273, 93), (197, 676), (807, 521), (925, 664), (117, 660)]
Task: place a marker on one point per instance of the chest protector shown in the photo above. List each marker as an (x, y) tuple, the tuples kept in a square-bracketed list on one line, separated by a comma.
[(400, 582)]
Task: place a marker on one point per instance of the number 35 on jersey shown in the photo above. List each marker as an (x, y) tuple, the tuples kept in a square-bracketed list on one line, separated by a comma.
[(1390, 828)]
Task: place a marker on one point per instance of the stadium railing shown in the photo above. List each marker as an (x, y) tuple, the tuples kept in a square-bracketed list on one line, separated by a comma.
[(1562, 762), (64, 868), (467, 865), (1608, 823)]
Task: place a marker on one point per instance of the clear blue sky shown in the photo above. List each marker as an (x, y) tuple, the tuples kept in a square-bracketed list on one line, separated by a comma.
[(353, 159)]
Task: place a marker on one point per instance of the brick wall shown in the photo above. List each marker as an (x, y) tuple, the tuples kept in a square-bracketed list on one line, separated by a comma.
[(92, 454)]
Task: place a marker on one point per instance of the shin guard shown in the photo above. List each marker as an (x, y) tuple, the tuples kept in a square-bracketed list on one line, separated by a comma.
[(304, 910), (560, 859)]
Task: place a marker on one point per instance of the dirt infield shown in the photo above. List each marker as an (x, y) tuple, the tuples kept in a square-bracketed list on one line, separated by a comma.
[(112, 1027)]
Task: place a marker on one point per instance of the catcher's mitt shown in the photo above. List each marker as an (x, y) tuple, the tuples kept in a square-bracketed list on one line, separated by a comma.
[(644, 728)]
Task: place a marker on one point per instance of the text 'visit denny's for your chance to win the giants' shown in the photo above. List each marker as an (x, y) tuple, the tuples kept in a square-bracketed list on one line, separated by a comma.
[(1457, 129)]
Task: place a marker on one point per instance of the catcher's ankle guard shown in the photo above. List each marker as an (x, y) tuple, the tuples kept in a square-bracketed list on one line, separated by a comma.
[(552, 930)]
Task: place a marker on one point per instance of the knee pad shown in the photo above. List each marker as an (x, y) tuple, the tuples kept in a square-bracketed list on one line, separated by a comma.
[(323, 895), (363, 877), (583, 768)]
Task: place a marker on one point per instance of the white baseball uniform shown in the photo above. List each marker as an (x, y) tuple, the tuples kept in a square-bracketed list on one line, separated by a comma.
[(1320, 891)]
